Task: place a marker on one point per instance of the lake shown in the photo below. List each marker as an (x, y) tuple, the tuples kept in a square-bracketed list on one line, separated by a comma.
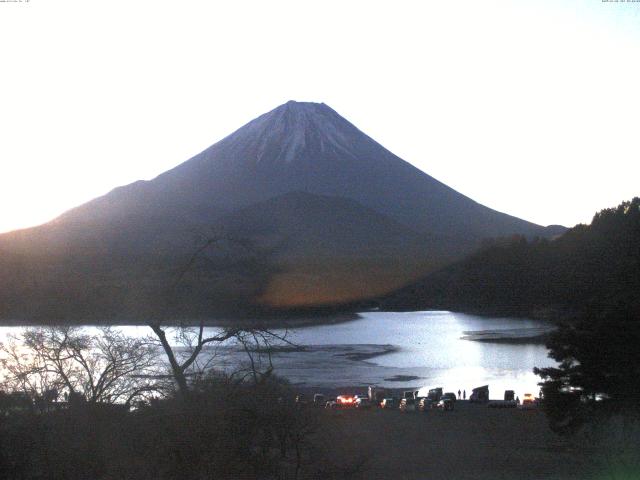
[(409, 349)]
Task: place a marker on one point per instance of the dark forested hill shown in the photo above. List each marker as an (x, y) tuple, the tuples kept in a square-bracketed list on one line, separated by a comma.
[(596, 265)]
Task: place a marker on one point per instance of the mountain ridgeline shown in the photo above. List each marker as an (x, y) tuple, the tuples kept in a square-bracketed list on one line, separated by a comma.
[(296, 209)]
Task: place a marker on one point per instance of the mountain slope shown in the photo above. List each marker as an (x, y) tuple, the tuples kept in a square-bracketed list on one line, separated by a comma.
[(302, 223), (329, 249), (308, 147), (329, 214)]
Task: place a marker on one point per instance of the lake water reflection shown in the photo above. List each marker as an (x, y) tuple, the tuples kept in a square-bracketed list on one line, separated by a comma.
[(430, 346), (427, 345)]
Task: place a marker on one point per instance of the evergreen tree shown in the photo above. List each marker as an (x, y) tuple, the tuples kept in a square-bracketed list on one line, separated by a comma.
[(599, 368)]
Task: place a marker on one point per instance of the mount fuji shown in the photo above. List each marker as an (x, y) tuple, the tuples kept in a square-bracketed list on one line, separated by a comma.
[(307, 211)]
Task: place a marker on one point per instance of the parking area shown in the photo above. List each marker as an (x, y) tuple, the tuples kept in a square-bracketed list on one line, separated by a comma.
[(471, 441)]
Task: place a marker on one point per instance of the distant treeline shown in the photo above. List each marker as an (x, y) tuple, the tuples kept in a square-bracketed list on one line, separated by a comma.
[(590, 266)]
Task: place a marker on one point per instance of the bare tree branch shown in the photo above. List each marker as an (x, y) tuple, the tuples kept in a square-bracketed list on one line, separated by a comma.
[(107, 367)]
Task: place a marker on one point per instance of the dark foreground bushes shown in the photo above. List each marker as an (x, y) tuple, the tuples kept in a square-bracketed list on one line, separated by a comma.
[(223, 429)]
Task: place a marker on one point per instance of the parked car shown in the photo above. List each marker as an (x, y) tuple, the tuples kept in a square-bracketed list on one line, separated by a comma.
[(445, 404), (319, 400), (479, 394), (449, 395), (387, 402), (407, 405), (435, 394), (345, 401), (528, 401), (377, 394), (425, 404), (410, 394), (363, 403)]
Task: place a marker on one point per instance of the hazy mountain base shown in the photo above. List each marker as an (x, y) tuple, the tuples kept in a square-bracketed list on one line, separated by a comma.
[(275, 262), (210, 292)]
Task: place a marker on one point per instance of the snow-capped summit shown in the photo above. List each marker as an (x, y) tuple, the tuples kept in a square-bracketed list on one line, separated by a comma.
[(296, 127), (309, 147)]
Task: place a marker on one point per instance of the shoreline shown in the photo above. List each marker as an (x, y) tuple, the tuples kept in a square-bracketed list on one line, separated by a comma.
[(515, 336), (279, 323)]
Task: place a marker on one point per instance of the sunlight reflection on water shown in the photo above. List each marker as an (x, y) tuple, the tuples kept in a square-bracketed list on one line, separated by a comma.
[(428, 346)]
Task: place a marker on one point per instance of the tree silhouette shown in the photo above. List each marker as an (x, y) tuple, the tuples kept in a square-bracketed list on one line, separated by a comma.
[(254, 338), (599, 368), (106, 367)]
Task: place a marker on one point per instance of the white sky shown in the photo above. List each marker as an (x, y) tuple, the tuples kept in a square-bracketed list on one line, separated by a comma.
[(529, 107)]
